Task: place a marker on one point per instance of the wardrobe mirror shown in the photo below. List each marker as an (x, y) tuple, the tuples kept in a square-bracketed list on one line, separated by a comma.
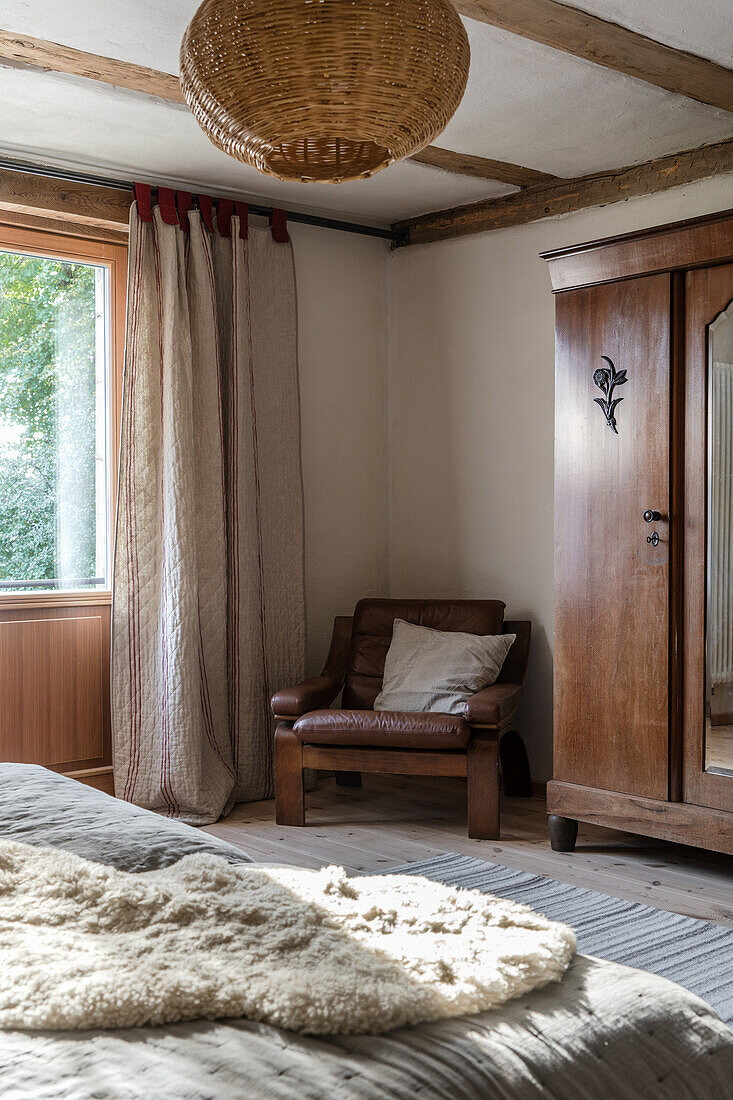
[(719, 647)]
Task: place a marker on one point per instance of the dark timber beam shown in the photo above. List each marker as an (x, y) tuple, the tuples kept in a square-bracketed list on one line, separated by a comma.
[(608, 44), (54, 198), (567, 196), (481, 167), (52, 57)]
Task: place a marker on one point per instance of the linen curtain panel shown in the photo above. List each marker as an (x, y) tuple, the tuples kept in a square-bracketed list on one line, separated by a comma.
[(208, 606)]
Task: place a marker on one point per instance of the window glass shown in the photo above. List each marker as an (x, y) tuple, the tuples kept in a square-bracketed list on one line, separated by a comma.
[(54, 321)]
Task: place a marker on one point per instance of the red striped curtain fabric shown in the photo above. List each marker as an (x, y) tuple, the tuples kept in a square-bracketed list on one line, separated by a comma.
[(208, 605)]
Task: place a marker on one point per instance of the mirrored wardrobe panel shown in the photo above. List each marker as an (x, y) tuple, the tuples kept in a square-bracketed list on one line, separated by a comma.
[(719, 563)]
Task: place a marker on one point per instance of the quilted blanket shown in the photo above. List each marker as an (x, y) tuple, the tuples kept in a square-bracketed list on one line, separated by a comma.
[(604, 1031)]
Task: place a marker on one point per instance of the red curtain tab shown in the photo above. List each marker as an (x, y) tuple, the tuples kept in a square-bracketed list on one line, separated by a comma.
[(278, 224), (183, 203), (143, 198), (224, 211), (241, 209), (167, 205), (175, 205), (206, 208)]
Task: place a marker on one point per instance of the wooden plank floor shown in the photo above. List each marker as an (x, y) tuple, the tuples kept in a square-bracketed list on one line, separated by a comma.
[(393, 820)]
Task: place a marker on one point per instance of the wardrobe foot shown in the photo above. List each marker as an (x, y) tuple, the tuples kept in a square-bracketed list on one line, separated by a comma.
[(563, 833)]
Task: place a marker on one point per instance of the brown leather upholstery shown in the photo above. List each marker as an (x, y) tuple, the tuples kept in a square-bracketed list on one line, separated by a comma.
[(515, 666), (387, 728), (372, 634), (491, 705), (321, 690)]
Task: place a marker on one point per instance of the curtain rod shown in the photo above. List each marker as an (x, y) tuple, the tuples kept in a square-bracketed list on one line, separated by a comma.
[(125, 185)]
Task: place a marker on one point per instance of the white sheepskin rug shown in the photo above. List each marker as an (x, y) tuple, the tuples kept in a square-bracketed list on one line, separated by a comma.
[(83, 945)]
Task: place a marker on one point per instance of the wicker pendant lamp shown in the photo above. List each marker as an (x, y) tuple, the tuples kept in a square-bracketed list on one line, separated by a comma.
[(323, 90)]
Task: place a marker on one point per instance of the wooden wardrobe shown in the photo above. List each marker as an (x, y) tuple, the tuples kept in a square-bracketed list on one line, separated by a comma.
[(643, 652)]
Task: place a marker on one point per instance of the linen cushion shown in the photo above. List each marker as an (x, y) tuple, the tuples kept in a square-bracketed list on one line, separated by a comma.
[(438, 670), (371, 635)]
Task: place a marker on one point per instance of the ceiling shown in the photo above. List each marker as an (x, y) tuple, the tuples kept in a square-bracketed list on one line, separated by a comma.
[(526, 103)]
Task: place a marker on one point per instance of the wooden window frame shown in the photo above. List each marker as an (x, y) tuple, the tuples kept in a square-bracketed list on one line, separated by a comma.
[(69, 241)]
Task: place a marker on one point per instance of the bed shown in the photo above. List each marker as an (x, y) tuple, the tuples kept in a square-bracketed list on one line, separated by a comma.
[(605, 1030)]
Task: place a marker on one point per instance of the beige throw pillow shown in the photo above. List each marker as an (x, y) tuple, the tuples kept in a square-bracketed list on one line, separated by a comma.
[(438, 670)]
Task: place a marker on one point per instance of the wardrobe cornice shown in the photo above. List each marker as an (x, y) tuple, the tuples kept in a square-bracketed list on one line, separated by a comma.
[(699, 242)]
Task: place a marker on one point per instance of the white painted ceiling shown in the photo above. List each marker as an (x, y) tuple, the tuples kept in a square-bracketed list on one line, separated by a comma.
[(525, 103), (536, 106)]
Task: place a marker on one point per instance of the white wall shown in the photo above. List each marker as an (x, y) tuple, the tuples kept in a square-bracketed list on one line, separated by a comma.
[(342, 360), (470, 412)]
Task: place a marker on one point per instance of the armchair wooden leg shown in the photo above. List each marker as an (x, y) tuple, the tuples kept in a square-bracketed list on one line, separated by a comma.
[(289, 796), (348, 779), (515, 766), (482, 773)]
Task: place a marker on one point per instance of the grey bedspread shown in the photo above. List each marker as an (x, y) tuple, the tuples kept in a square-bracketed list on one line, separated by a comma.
[(606, 1031), (40, 807)]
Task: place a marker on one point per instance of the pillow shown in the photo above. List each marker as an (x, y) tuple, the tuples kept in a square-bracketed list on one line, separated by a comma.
[(438, 669)]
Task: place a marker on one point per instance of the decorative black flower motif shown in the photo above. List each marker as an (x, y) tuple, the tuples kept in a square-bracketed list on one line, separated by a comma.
[(607, 378)]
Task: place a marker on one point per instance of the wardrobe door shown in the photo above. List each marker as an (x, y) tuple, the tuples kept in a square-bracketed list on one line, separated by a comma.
[(611, 565), (708, 579)]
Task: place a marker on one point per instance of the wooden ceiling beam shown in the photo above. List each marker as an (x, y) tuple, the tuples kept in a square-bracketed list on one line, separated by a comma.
[(481, 167), (14, 219), (53, 57), (615, 47), (53, 198), (567, 196)]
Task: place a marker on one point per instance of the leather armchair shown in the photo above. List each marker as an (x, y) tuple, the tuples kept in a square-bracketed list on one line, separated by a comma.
[(356, 738), (319, 691)]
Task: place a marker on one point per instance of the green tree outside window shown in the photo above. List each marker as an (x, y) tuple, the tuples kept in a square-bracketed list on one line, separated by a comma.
[(48, 419)]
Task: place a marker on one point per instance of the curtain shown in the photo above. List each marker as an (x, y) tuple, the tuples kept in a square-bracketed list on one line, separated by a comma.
[(208, 606)]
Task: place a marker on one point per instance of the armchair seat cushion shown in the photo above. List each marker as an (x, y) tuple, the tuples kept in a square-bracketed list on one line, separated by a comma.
[(383, 728)]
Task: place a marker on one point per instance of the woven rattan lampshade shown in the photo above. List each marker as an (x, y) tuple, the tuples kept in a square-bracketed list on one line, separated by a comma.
[(326, 90)]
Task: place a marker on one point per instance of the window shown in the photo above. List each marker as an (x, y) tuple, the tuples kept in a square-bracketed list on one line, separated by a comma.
[(57, 412)]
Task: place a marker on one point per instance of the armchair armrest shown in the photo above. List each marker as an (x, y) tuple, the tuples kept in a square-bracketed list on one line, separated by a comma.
[(318, 691), (493, 704), (311, 694)]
